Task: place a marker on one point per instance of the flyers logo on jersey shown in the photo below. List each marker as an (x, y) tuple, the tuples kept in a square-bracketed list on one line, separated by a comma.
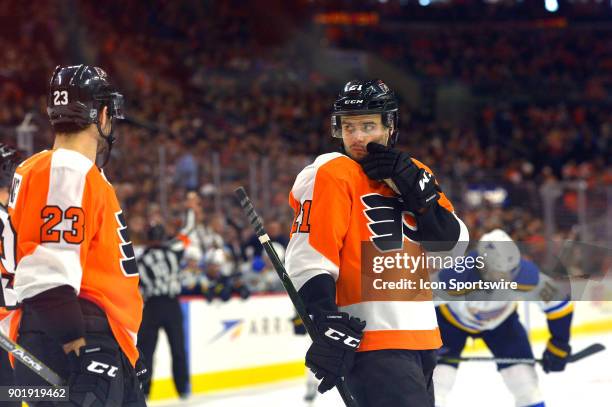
[(128, 259), (386, 222)]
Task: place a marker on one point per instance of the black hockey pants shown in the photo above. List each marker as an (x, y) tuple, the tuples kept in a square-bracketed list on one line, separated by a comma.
[(393, 378), (125, 389)]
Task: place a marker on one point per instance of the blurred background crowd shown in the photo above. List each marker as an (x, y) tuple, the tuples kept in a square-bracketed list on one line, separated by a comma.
[(509, 103)]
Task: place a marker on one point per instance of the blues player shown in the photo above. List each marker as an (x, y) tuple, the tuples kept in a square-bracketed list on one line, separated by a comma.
[(497, 322)]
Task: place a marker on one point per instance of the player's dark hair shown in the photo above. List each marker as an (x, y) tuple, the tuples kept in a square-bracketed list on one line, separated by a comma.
[(68, 128)]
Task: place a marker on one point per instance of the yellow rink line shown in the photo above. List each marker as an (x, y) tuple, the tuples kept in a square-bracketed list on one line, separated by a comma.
[(231, 379), (240, 378), (541, 335)]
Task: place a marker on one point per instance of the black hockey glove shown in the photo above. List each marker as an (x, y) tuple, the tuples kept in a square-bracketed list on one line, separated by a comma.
[(218, 290), (241, 289), (417, 187), (332, 353), (142, 372), (555, 356), (91, 375)]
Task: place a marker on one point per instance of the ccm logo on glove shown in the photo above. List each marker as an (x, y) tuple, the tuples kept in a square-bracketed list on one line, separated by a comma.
[(101, 368), (424, 180), (416, 185), (337, 335)]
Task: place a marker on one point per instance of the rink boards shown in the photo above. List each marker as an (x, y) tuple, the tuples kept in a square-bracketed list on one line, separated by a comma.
[(234, 345), (241, 343)]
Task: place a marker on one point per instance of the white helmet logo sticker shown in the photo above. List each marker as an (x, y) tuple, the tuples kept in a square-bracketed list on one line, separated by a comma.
[(100, 72)]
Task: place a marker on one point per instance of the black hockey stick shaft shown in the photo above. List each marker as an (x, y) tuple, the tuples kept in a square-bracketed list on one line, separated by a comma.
[(588, 351), (30, 361), (257, 224), (574, 357)]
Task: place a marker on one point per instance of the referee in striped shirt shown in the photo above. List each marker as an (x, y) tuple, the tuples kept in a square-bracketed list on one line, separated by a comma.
[(159, 268)]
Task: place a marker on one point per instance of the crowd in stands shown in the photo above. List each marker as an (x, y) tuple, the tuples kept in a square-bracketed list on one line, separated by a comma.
[(213, 104), (567, 63)]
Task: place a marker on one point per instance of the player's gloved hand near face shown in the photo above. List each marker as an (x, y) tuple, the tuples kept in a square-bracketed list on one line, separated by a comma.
[(555, 356), (332, 353), (91, 375), (417, 186)]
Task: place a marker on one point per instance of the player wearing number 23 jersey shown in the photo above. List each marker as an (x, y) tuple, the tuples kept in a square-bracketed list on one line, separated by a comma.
[(71, 231), (76, 277)]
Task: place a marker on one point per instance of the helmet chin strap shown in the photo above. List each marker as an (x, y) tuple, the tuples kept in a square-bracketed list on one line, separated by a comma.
[(109, 139), (389, 143)]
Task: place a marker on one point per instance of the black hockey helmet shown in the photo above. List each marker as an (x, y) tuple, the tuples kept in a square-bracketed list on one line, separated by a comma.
[(156, 234), (366, 97), (9, 158), (76, 97)]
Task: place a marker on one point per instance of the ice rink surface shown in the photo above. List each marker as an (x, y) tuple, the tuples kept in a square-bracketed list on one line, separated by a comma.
[(584, 383)]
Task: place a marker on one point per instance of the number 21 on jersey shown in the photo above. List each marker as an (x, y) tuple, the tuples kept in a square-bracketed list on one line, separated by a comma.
[(301, 223)]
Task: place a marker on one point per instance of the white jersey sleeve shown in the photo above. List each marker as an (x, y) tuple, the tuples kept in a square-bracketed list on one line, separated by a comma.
[(320, 223), (58, 196)]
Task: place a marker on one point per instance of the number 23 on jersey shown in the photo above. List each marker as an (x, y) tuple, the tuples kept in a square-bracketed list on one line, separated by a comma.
[(53, 216)]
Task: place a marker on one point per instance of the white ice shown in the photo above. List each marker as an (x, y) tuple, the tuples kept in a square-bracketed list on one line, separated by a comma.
[(584, 383)]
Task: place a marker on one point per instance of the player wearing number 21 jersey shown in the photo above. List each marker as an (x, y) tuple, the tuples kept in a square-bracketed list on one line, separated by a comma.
[(351, 207)]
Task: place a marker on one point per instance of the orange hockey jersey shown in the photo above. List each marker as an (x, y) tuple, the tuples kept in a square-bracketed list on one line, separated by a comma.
[(71, 231), (339, 213)]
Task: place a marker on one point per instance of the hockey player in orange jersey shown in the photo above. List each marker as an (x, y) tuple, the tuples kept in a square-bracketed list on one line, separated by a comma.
[(76, 276), (371, 197)]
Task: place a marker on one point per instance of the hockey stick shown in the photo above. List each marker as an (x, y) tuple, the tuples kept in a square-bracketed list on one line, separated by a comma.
[(574, 357), (264, 239), (30, 361)]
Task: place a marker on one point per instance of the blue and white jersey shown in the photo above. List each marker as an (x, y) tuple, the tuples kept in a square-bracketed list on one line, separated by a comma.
[(475, 316)]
